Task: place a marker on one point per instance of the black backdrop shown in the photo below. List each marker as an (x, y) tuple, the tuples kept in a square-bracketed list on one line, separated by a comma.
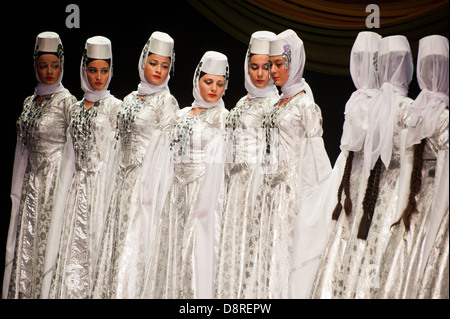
[(128, 25)]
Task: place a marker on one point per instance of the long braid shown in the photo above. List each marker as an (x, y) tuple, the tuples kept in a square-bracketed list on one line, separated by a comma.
[(345, 185), (370, 200), (414, 186), (348, 172), (338, 208)]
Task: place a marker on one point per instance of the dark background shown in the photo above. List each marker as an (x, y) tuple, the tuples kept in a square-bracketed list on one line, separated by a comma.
[(128, 25)]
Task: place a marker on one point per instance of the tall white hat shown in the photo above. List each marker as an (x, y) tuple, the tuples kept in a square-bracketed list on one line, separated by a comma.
[(259, 42), (214, 63), (161, 43), (47, 42), (99, 48), (276, 46)]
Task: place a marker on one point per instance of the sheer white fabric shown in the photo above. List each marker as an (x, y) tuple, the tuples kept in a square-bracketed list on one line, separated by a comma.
[(433, 79), (363, 62), (395, 70)]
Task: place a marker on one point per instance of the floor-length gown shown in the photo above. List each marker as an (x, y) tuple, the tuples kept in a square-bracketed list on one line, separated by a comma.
[(92, 135), (295, 163), (184, 259), (359, 275), (245, 139), (41, 130), (400, 269), (143, 126)]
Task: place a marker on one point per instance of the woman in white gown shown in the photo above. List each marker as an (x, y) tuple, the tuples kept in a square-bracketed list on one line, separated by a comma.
[(244, 146), (370, 232), (427, 146), (144, 123), (295, 162), (90, 166), (41, 130), (183, 262), (344, 182)]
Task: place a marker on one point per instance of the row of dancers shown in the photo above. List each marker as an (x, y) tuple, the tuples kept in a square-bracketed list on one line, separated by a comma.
[(141, 199)]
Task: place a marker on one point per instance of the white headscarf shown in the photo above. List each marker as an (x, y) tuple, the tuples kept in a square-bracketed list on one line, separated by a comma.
[(362, 69), (432, 76), (97, 48), (49, 42), (395, 69), (259, 44), (215, 63), (159, 43), (290, 46)]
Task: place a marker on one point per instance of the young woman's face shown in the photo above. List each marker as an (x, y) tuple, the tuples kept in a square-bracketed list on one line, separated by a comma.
[(156, 69), (278, 70), (258, 70), (48, 69), (211, 87), (98, 74)]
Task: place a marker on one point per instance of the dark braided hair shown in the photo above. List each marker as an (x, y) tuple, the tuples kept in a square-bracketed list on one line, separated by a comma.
[(370, 200), (414, 186), (344, 186)]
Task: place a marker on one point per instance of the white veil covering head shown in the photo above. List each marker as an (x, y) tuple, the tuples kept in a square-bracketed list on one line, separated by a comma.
[(395, 70), (48, 42), (214, 63), (259, 44), (363, 57), (96, 48), (162, 44), (432, 76), (290, 46)]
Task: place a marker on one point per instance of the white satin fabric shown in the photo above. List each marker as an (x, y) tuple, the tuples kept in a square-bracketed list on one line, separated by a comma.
[(144, 173), (41, 135), (183, 262), (295, 162), (83, 196)]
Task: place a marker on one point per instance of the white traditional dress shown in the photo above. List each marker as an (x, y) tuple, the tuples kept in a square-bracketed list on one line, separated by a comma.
[(41, 136), (402, 267), (388, 112), (144, 125), (245, 141), (296, 161), (363, 72), (85, 191), (183, 262)]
